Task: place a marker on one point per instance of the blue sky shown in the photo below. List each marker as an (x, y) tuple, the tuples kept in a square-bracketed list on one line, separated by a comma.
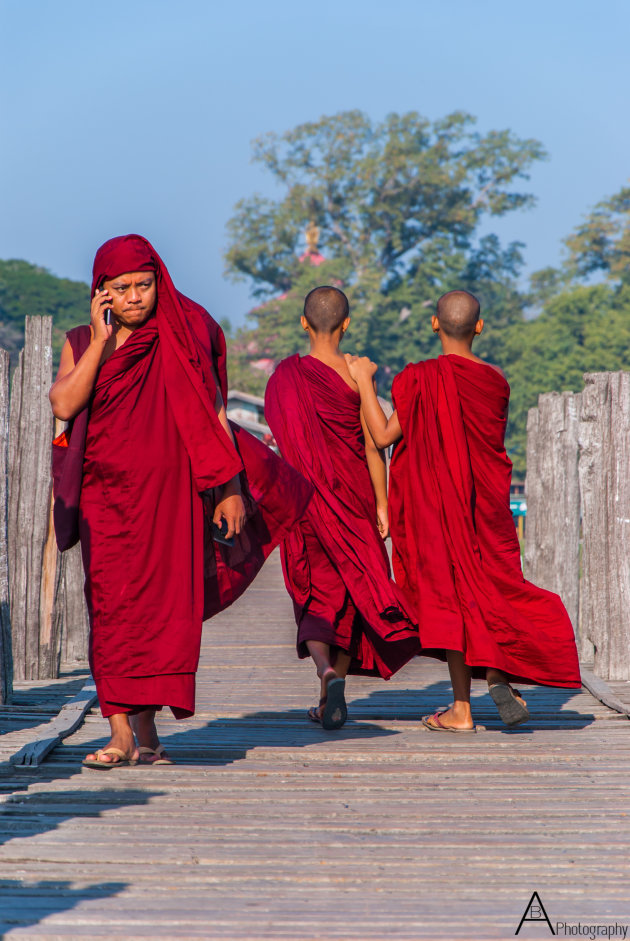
[(137, 115)]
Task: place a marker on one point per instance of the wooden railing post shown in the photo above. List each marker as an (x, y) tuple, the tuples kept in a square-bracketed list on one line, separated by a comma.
[(32, 553), (604, 470), (552, 535), (6, 655), (70, 609)]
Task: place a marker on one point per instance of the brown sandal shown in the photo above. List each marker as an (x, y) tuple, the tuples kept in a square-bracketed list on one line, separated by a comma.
[(123, 759), (154, 756)]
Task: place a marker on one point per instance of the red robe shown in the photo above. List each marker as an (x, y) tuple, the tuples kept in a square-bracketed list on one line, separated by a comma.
[(335, 563), (154, 450), (456, 552)]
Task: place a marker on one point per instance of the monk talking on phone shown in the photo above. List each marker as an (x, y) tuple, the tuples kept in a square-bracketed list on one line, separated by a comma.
[(176, 511)]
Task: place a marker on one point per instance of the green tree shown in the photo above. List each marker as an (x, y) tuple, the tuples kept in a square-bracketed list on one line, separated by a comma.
[(585, 329), (397, 205), (29, 289), (601, 244)]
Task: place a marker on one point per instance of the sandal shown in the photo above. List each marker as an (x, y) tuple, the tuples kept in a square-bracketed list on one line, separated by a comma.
[(433, 724), (313, 712), (154, 756), (510, 704), (335, 711), (123, 759)]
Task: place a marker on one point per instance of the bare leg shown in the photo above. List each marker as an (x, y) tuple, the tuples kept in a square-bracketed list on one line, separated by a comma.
[(495, 676), (143, 725), (320, 652), (459, 715), (122, 738), (342, 663)]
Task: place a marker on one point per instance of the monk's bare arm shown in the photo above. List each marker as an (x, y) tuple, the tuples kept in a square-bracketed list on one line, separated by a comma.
[(384, 431), (378, 476), (230, 507), (71, 390)]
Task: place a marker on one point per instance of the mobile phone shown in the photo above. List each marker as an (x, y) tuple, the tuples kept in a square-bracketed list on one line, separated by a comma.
[(107, 316), (219, 531)]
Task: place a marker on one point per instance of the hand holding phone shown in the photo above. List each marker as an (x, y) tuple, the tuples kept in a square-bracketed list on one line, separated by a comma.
[(219, 531), (98, 308)]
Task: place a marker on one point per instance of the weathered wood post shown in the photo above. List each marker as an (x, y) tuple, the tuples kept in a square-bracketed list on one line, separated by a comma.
[(69, 609), (552, 535), (70, 612), (32, 552), (6, 654), (604, 470)]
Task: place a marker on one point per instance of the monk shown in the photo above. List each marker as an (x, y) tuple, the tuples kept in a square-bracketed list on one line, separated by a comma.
[(350, 616), (455, 549), (175, 514)]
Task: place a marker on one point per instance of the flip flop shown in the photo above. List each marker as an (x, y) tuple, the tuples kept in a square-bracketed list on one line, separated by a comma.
[(433, 724), (123, 759), (509, 703), (159, 756), (313, 712), (335, 710)]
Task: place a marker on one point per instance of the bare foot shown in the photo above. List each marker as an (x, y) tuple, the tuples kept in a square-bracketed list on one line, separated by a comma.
[(325, 678), (457, 719), (125, 743), (143, 724)]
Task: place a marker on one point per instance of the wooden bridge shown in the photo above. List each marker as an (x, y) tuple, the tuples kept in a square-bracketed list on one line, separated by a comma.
[(269, 827)]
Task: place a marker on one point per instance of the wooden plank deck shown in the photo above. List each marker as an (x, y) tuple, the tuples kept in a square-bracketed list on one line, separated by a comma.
[(270, 827)]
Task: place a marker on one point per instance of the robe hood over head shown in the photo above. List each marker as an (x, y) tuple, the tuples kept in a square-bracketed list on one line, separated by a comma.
[(190, 375)]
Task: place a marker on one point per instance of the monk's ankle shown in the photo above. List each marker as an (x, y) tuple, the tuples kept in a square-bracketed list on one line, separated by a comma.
[(495, 676), (143, 724), (461, 713), (325, 670)]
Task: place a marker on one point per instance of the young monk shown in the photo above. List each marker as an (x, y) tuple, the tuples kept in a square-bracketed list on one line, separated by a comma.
[(350, 615), (455, 547)]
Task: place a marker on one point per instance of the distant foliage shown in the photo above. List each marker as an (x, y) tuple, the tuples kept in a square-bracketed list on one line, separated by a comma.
[(397, 206), (580, 327), (584, 329), (28, 289)]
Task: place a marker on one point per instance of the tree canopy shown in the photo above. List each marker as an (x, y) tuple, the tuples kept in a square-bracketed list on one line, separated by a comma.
[(383, 195), (601, 244), (395, 209), (29, 289)]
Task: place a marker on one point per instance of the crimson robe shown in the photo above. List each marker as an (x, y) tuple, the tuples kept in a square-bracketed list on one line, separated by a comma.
[(155, 452), (456, 552), (335, 563)]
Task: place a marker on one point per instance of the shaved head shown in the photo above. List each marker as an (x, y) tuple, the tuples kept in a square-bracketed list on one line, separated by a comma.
[(326, 308), (458, 313)]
